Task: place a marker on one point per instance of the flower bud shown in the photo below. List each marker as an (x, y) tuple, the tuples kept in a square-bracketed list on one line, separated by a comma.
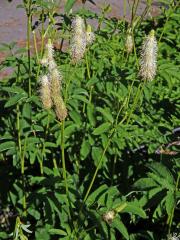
[(109, 216), (129, 43), (90, 36)]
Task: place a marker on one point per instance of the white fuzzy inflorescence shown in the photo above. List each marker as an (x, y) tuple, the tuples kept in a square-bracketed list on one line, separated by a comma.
[(52, 66), (50, 50), (59, 105), (148, 62), (45, 92), (78, 43), (51, 85)]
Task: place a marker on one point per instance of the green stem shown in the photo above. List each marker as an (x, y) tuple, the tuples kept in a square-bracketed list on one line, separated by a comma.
[(19, 133), (134, 10), (101, 159), (23, 175), (63, 156), (42, 33), (87, 66), (97, 169), (89, 76), (42, 43), (29, 16), (17, 227), (63, 141), (172, 213), (21, 156), (129, 95), (110, 138), (116, 124), (35, 46), (135, 52), (139, 90)]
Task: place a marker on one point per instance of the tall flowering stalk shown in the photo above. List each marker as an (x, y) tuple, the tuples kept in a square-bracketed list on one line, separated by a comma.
[(78, 42), (148, 61), (55, 82)]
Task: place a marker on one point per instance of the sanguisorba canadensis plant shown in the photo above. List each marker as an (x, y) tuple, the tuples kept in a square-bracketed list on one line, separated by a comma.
[(39, 164)]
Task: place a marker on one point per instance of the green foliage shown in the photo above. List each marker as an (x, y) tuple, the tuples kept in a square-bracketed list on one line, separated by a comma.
[(116, 151), (69, 4), (161, 186)]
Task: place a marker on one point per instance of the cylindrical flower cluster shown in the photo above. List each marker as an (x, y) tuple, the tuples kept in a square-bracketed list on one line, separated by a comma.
[(45, 92), (78, 42), (148, 61), (53, 85), (82, 36), (60, 108)]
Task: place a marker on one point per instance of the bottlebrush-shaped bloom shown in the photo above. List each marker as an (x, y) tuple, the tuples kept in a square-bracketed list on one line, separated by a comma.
[(78, 42), (60, 108), (55, 82), (148, 61), (45, 92), (50, 50)]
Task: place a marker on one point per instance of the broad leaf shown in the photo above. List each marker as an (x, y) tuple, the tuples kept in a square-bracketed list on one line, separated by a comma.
[(102, 128)]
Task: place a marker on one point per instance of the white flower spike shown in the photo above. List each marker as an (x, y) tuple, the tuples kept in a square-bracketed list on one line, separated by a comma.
[(78, 43), (45, 92), (148, 62)]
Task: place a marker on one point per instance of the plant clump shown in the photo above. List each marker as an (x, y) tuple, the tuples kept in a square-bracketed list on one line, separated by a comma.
[(110, 169)]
